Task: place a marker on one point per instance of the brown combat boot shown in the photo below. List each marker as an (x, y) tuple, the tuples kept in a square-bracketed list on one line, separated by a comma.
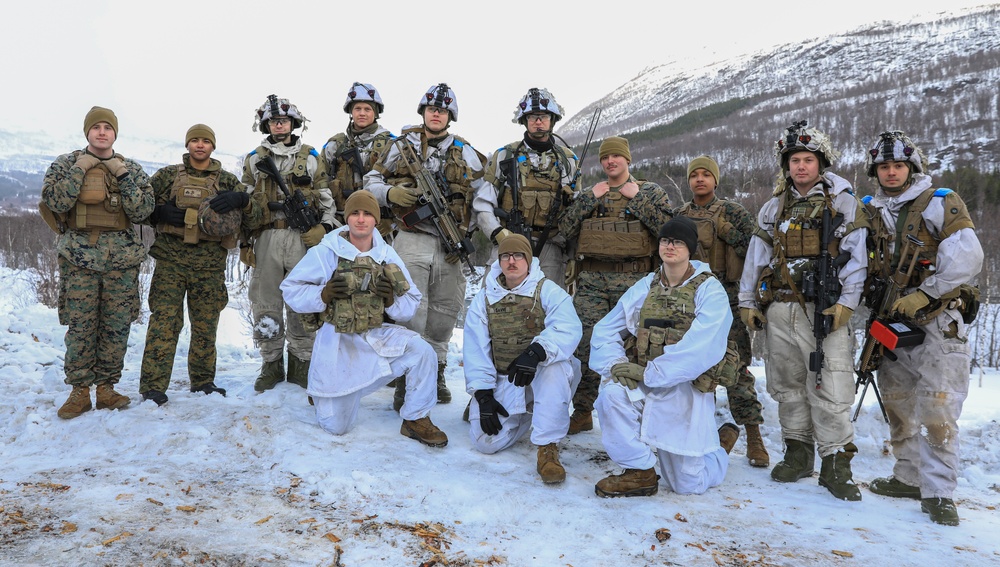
[(756, 453), (108, 398), (76, 404), (728, 434), (549, 467), (632, 482), (424, 431), (580, 421)]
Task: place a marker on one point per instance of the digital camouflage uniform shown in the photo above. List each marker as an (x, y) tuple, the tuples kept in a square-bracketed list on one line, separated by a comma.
[(98, 274), (194, 270), (600, 284)]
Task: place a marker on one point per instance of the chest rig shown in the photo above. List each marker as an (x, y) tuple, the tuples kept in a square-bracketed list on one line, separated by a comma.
[(353, 161), (363, 310), (514, 322), (189, 192), (99, 206), (297, 178), (539, 186), (721, 257), (798, 231), (613, 233)]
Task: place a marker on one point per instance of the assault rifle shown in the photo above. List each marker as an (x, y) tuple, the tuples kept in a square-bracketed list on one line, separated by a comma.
[(514, 220), (873, 349), (298, 212), (433, 204), (823, 286), (352, 156)]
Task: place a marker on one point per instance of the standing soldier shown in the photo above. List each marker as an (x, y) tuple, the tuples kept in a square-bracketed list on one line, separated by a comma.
[(532, 179), (198, 213), (724, 231), (349, 155), (92, 197), (924, 386), (615, 224), (436, 273), (275, 246), (781, 277)]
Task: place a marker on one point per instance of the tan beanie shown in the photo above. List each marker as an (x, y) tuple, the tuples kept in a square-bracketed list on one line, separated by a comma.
[(515, 243), (706, 163), (363, 201), (615, 145), (200, 131), (100, 114)]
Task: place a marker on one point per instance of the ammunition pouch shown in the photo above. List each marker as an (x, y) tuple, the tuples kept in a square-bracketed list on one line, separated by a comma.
[(611, 240)]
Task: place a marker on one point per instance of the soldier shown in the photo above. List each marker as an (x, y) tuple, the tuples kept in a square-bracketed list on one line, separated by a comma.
[(924, 386), (781, 266), (92, 197), (349, 155), (356, 280), (420, 246), (657, 402), (532, 180), (199, 210), (274, 246), (520, 334), (724, 230), (614, 224)]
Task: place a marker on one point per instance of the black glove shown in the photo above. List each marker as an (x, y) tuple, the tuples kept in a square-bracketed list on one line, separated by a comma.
[(168, 213), (521, 371), (275, 206), (489, 407), (229, 201), (383, 289), (336, 288)]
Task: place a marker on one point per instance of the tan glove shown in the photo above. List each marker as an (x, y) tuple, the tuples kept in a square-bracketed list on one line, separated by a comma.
[(384, 290), (86, 161), (402, 196), (628, 374), (841, 315), (499, 234), (313, 236), (753, 318), (116, 166), (909, 305), (335, 288)]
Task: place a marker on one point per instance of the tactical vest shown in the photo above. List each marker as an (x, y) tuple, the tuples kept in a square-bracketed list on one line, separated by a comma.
[(665, 315), (189, 192), (799, 231), (297, 178), (612, 233), (99, 206), (514, 321), (344, 179), (538, 188), (363, 310), (721, 257), (911, 222), (878, 246)]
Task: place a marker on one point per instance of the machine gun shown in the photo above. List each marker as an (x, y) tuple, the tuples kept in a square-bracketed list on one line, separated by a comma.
[(433, 204), (822, 285), (298, 212), (514, 220), (874, 349)]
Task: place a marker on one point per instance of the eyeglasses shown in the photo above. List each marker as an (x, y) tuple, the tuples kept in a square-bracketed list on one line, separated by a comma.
[(506, 256), (539, 117), (675, 242), (437, 110), (280, 121)]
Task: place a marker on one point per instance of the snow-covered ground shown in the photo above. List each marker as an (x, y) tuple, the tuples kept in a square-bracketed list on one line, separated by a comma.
[(252, 480)]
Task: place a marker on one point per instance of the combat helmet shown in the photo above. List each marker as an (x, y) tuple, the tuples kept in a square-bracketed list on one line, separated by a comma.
[(537, 100), (441, 96), (798, 138), (216, 224), (364, 92), (895, 146), (275, 106)]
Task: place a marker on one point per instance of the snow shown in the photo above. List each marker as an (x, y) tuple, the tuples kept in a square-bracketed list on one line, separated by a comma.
[(250, 479)]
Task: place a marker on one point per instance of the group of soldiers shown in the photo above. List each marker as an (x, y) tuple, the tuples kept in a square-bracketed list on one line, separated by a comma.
[(608, 298)]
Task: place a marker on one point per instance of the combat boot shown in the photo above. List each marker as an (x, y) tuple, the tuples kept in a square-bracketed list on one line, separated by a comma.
[(941, 510), (465, 414), (632, 482), (549, 467), (580, 421), (108, 398), (399, 394), (835, 474), (728, 434), (894, 488), (444, 394), (424, 431), (298, 371), (271, 373), (799, 461), (76, 404), (756, 453)]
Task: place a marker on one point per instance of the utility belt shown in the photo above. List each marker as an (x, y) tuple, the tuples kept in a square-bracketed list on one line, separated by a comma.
[(625, 266)]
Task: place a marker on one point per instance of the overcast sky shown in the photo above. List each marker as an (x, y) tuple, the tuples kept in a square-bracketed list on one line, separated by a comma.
[(167, 65)]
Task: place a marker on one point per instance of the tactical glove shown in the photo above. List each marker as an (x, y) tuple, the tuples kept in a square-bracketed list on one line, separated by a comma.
[(521, 371), (499, 234), (841, 315), (402, 196), (275, 206), (753, 318), (86, 161), (452, 258), (116, 166), (628, 374), (313, 236), (909, 305), (335, 289), (490, 411), (384, 290), (168, 213), (229, 201)]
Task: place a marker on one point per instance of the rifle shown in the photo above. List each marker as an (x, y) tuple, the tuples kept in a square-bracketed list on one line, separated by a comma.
[(298, 212), (433, 204), (514, 220), (823, 286), (873, 349)]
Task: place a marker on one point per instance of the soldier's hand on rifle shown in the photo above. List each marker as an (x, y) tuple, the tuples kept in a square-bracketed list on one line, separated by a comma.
[(402, 196), (452, 258), (499, 234), (629, 190), (275, 206), (628, 374), (908, 306), (335, 288), (841, 315), (313, 236), (490, 411), (229, 201), (168, 213), (384, 290), (521, 371), (116, 166), (601, 189), (86, 161), (753, 318)]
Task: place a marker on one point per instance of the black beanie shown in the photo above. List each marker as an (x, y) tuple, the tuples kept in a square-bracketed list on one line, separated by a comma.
[(681, 228)]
